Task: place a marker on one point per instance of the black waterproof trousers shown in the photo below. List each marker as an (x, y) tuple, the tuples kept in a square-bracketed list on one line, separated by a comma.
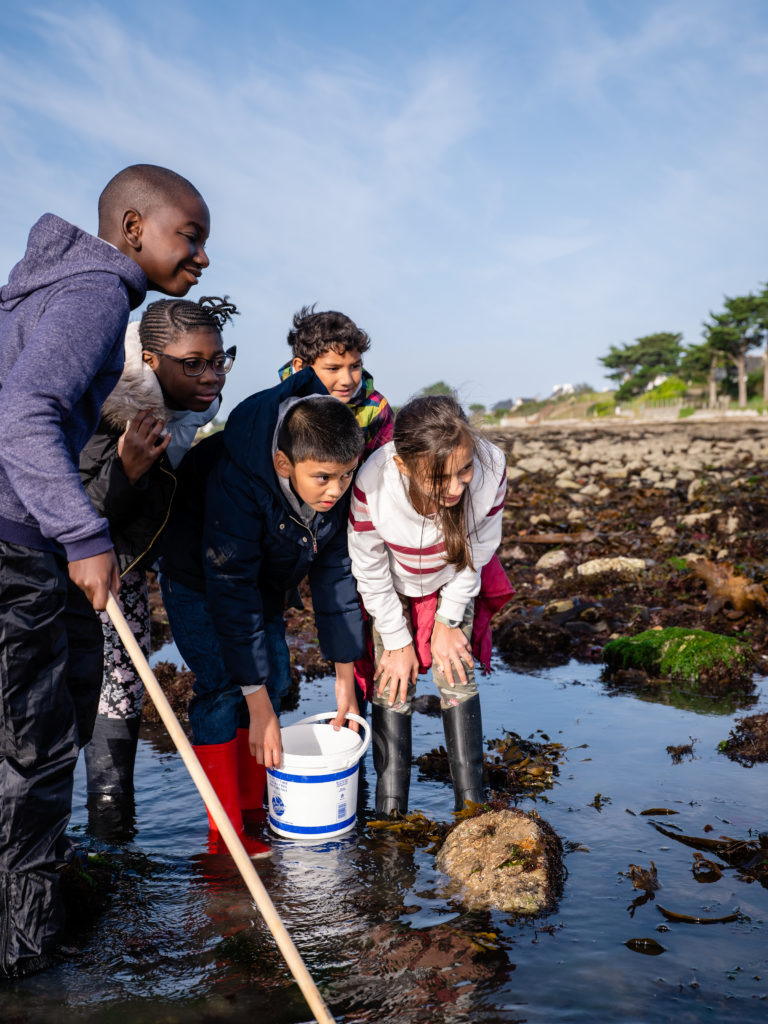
[(39, 744)]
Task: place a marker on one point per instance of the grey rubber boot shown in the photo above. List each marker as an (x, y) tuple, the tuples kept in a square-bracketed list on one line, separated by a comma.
[(463, 727), (391, 759)]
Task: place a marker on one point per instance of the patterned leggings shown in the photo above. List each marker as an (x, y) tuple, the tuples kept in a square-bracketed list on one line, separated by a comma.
[(122, 691)]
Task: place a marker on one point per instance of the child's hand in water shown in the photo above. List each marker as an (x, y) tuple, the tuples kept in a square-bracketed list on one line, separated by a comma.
[(449, 649), (397, 669), (140, 446)]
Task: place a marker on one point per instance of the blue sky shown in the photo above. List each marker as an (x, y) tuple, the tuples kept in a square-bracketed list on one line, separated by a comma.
[(496, 191)]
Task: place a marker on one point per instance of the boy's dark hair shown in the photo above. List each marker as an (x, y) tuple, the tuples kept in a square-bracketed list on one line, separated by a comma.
[(314, 333), (165, 319), (320, 428), (140, 187)]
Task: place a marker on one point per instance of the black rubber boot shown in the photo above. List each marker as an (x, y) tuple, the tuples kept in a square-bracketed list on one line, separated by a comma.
[(112, 818), (110, 756), (463, 727), (391, 759)]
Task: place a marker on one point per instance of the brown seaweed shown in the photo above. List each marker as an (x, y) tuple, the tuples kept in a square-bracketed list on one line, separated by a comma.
[(704, 870), (512, 765), (672, 915), (650, 947), (645, 879), (748, 856)]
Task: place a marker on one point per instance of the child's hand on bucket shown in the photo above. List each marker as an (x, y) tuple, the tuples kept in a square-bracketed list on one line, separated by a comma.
[(264, 729), (346, 702)]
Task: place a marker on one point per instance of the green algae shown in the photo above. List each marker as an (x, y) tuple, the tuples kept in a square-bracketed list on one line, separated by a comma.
[(696, 658)]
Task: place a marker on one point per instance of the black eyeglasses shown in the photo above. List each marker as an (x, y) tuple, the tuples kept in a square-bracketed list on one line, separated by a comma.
[(194, 366)]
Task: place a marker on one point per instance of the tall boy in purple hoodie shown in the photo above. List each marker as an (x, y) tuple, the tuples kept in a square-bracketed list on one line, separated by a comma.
[(63, 315)]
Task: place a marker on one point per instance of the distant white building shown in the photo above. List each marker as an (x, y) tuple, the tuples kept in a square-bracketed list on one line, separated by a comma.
[(562, 391)]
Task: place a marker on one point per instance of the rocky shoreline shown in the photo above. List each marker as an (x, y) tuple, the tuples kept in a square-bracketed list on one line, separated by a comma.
[(659, 497)]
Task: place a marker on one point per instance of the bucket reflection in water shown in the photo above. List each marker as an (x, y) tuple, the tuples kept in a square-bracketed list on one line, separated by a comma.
[(313, 794)]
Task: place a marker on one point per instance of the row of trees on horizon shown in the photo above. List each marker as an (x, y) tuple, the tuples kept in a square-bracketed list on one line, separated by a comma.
[(720, 359), (728, 337)]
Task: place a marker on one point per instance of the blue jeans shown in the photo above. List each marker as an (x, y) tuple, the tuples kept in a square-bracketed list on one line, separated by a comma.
[(218, 708)]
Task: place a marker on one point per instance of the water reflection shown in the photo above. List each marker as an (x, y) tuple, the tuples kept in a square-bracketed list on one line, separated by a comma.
[(181, 940)]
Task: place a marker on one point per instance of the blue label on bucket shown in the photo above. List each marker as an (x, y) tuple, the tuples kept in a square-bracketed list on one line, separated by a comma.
[(312, 830), (278, 806), (312, 805)]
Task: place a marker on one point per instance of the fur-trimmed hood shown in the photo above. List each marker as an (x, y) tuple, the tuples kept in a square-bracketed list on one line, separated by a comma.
[(137, 389)]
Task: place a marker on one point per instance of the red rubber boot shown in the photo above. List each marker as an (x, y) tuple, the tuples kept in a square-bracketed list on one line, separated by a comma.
[(252, 779), (219, 762)]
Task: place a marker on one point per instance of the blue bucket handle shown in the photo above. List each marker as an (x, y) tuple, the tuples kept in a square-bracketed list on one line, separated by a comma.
[(326, 716)]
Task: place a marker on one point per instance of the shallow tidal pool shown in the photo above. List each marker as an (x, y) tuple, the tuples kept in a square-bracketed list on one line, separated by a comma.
[(181, 941)]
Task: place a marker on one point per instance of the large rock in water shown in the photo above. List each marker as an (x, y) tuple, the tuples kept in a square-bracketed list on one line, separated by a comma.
[(506, 859)]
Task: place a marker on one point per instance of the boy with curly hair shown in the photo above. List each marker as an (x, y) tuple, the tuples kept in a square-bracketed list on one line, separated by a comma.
[(333, 345)]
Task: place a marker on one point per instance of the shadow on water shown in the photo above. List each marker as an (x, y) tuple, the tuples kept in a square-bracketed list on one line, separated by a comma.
[(377, 925)]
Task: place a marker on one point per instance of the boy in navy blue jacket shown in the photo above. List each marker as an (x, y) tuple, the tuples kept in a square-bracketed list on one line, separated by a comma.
[(277, 508), (274, 515), (63, 315)]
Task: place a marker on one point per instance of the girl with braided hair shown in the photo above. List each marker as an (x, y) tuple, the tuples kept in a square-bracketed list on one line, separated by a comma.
[(175, 368)]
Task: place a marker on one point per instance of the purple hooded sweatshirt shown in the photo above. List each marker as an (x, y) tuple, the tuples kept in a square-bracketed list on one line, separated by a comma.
[(63, 315)]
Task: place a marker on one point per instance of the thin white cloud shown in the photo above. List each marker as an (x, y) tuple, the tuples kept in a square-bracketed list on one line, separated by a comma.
[(533, 250)]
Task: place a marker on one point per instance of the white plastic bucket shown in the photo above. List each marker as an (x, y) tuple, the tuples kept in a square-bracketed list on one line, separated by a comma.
[(313, 794)]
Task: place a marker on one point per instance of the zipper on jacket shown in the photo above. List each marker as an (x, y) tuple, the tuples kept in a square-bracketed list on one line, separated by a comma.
[(309, 531), (162, 525)]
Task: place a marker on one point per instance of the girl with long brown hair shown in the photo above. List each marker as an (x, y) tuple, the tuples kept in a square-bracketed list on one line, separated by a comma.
[(425, 520)]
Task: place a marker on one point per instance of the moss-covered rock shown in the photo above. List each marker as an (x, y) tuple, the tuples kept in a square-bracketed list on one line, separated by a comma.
[(695, 658)]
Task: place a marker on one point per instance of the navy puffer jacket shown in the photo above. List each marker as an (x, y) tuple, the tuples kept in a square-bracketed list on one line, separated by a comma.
[(256, 546)]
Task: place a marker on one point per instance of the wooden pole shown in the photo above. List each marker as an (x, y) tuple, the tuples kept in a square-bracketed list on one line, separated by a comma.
[(250, 876)]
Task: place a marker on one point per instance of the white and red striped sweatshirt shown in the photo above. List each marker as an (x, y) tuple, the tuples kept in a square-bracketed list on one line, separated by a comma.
[(394, 550)]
